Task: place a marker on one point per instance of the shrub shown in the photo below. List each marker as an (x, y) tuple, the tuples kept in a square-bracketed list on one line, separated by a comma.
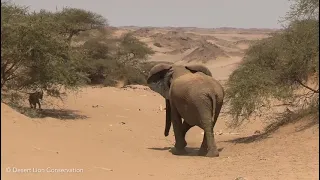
[(275, 68), (107, 60), (35, 47)]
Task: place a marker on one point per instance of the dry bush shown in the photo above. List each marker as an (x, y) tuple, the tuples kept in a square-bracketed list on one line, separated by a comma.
[(276, 67)]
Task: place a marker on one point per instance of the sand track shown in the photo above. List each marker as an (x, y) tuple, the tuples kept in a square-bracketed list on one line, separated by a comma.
[(122, 138)]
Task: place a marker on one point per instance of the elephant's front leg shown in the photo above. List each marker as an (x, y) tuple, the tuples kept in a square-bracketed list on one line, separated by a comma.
[(168, 118), (178, 133)]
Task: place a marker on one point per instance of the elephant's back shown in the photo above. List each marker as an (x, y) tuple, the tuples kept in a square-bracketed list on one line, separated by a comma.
[(193, 82), (192, 94), (208, 85), (191, 89)]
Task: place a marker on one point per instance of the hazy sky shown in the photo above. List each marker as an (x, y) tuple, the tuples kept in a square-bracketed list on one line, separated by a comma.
[(191, 13)]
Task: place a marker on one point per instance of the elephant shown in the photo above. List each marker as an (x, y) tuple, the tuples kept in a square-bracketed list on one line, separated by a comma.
[(192, 68), (193, 94)]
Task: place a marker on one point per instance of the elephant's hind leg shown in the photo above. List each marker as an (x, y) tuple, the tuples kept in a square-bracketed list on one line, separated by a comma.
[(212, 147), (178, 133), (204, 147), (207, 126), (217, 113), (185, 128)]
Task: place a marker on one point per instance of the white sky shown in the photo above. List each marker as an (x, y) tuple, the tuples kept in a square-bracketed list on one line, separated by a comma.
[(178, 13)]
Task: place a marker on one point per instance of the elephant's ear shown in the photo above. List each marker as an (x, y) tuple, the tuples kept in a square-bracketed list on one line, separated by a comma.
[(159, 79), (158, 72), (198, 68)]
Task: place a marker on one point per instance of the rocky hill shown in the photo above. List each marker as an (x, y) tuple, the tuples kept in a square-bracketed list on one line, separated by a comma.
[(196, 44)]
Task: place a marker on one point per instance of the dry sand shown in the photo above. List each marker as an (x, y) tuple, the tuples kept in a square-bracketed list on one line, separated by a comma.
[(122, 138), (117, 134)]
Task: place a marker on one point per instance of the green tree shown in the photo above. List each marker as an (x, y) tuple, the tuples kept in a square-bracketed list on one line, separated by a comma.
[(303, 9), (131, 51), (107, 60), (35, 47), (72, 21), (277, 66)]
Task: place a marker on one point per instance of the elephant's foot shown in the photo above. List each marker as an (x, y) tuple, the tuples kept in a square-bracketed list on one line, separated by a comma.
[(176, 151), (181, 144), (203, 148), (212, 153), (202, 152)]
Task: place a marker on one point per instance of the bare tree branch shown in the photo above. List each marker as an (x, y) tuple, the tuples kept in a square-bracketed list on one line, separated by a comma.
[(311, 89)]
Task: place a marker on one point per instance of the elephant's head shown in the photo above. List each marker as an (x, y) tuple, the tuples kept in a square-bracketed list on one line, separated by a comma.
[(160, 78)]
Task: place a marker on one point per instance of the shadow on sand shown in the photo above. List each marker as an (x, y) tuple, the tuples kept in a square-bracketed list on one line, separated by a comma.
[(250, 139), (63, 114), (310, 121), (192, 151)]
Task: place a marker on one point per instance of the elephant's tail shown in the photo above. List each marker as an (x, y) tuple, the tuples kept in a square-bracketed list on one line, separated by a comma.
[(213, 98), (216, 107)]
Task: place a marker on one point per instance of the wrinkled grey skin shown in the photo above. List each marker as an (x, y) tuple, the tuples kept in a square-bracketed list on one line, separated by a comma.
[(159, 85), (192, 94)]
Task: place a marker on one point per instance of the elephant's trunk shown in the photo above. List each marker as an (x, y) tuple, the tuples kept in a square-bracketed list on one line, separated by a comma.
[(168, 118)]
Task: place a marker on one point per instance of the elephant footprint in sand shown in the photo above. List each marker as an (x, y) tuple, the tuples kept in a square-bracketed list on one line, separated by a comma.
[(192, 94)]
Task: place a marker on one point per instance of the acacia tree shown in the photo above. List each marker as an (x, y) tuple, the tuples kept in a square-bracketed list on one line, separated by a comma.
[(35, 49), (10, 15), (131, 51), (107, 59), (303, 9), (277, 66), (72, 21)]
